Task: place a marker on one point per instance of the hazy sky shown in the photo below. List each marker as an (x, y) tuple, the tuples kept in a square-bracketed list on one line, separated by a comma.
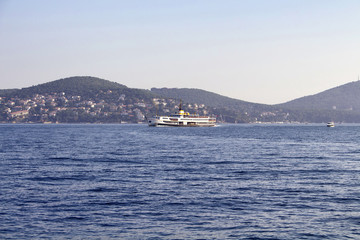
[(266, 51)]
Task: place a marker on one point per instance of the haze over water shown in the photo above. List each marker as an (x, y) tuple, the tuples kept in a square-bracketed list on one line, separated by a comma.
[(136, 182)]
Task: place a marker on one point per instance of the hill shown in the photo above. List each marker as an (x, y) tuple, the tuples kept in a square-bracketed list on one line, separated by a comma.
[(73, 85), (342, 98), (192, 95), (90, 99), (84, 86), (232, 110), (340, 104), (76, 99)]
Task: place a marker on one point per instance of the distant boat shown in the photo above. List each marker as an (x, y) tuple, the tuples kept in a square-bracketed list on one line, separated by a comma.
[(330, 124)]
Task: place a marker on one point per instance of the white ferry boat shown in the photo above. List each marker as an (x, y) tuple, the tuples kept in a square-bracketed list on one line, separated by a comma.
[(182, 119)]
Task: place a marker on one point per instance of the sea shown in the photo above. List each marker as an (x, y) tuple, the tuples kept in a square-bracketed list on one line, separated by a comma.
[(235, 181)]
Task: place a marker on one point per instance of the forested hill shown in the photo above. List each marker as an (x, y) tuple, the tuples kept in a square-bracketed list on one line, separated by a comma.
[(344, 98), (192, 95), (340, 104), (82, 86), (91, 99), (76, 100)]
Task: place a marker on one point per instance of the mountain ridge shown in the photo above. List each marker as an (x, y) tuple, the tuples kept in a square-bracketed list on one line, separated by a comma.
[(344, 97), (73, 85), (202, 96), (341, 103)]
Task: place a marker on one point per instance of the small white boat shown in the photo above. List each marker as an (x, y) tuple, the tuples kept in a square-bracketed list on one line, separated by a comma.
[(330, 124)]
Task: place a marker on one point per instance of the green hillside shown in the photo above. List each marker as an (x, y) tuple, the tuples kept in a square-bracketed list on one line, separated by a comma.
[(192, 95), (76, 100), (6, 92), (229, 109), (82, 86), (91, 99), (344, 98), (317, 108)]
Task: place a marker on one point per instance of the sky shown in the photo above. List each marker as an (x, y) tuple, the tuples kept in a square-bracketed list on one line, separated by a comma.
[(263, 51)]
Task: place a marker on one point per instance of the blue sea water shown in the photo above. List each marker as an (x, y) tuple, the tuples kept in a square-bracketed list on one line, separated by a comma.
[(137, 182)]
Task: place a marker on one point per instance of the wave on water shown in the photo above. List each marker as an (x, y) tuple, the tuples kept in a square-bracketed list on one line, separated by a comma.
[(135, 182)]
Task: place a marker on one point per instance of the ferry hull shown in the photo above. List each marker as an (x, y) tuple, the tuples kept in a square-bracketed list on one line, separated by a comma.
[(176, 125), (200, 122)]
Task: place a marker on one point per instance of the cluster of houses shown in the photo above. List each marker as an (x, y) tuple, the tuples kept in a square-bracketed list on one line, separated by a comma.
[(47, 108)]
